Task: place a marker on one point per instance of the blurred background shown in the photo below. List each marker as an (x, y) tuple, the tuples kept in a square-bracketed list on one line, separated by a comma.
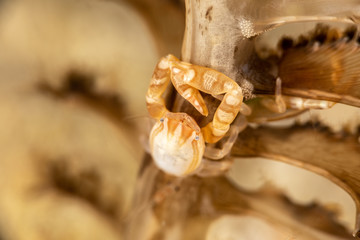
[(73, 76)]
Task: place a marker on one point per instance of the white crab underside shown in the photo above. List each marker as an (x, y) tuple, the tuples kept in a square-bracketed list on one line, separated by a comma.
[(171, 153)]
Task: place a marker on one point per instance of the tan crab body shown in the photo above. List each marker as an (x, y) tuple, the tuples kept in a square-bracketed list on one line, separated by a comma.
[(177, 144)]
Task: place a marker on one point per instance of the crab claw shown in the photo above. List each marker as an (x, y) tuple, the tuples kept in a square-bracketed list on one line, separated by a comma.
[(177, 144)]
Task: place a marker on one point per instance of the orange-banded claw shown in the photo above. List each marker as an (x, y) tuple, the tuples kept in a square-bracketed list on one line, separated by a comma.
[(177, 144)]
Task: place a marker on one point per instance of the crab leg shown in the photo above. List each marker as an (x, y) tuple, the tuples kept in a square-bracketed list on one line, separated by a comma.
[(166, 69), (278, 105), (160, 80), (227, 110), (212, 82), (303, 103), (281, 103)]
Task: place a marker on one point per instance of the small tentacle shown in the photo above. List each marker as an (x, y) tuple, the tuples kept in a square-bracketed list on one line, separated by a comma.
[(278, 105)]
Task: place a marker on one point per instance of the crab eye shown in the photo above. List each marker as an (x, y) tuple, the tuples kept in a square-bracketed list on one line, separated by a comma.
[(161, 119)]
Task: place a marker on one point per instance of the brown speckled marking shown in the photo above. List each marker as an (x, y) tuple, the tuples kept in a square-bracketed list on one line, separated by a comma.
[(208, 13)]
